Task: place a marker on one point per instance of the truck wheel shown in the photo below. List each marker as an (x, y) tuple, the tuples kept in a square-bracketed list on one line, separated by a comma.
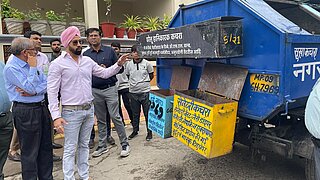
[(310, 169)]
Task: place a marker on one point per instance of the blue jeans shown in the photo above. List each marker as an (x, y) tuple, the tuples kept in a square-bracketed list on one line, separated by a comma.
[(76, 136)]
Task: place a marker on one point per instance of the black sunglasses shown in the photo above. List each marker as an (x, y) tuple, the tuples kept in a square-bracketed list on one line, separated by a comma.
[(75, 42)]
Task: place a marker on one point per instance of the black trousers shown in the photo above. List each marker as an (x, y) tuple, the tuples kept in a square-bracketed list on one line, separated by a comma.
[(124, 93), (138, 100), (33, 124), (6, 130)]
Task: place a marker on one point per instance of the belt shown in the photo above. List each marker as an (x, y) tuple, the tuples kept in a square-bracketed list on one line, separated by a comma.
[(106, 86), (41, 103), (78, 107)]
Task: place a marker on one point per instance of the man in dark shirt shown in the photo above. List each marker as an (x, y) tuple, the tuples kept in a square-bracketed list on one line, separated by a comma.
[(55, 45), (105, 94)]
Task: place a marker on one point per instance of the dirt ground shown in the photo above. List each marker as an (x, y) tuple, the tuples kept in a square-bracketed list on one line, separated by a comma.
[(166, 159)]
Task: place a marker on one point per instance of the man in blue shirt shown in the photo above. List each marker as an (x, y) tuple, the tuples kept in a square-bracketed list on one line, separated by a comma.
[(6, 127), (26, 86)]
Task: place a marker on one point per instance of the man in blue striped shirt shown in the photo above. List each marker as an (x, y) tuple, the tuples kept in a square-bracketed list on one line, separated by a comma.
[(6, 127), (26, 87)]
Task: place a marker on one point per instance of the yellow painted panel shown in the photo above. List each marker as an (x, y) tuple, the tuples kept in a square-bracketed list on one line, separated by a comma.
[(191, 124), (207, 130), (224, 122)]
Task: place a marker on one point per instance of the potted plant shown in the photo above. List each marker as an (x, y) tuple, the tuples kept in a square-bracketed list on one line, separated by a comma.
[(108, 27), (151, 23), (120, 31), (165, 21), (37, 23), (56, 21), (13, 18), (132, 23)]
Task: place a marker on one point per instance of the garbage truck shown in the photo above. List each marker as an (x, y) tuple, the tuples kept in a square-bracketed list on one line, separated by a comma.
[(276, 42)]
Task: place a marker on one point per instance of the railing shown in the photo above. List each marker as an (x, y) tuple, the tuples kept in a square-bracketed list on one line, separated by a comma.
[(6, 39)]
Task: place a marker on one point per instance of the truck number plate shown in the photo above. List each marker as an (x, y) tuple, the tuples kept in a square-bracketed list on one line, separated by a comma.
[(265, 83)]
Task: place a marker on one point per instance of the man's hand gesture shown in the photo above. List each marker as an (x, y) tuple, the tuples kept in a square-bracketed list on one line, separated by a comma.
[(123, 59), (58, 125), (32, 61)]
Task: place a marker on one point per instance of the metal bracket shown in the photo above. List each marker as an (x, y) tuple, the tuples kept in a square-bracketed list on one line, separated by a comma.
[(288, 100)]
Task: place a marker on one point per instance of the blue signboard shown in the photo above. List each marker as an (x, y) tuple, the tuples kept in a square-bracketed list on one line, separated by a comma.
[(160, 114)]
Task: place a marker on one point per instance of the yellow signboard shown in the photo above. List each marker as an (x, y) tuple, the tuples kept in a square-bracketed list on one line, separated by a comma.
[(265, 83), (191, 124), (207, 130)]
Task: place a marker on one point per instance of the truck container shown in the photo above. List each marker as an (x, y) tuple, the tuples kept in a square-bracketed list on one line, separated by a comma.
[(280, 43)]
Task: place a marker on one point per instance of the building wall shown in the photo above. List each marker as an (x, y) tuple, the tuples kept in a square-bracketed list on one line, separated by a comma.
[(134, 7), (77, 9), (119, 7)]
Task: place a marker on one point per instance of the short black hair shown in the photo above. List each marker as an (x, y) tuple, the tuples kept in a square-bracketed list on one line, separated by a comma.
[(116, 44), (29, 33), (53, 40), (90, 30), (134, 48)]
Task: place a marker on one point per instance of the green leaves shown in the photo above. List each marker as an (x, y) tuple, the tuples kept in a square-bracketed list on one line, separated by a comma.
[(78, 19), (34, 14), (151, 23), (9, 12), (165, 21), (51, 15), (132, 22)]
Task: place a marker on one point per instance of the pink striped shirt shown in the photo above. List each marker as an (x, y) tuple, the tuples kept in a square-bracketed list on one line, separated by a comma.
[(74, 81)]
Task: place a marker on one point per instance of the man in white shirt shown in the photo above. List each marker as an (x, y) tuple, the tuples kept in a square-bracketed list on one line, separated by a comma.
[(312, 121)]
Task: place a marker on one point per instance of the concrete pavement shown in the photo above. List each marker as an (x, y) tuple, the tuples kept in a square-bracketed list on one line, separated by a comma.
[(143, 155)]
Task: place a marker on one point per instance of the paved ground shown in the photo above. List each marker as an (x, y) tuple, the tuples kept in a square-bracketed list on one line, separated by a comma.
[(166, 159)]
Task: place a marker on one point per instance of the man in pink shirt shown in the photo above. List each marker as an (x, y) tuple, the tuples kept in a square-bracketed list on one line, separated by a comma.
[(71, 73)]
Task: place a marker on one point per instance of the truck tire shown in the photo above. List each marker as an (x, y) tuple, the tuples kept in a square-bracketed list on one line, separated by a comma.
[(310, 169)]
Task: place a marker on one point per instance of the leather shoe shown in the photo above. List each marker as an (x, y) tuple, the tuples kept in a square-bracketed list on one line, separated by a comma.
[(132, 135), (56, 146), (149, 136), (14, 157), (56, 158)]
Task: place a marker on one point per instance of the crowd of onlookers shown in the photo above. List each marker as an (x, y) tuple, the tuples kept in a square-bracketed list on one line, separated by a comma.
[(63, 94)]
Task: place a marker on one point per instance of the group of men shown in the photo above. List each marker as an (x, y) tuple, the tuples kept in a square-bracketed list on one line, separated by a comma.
[(84, 85)]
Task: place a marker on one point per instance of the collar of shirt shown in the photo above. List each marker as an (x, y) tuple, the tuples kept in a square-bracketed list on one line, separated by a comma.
[(134, 62), (65, 54), (56, 54), (19, 61), (93, 50)]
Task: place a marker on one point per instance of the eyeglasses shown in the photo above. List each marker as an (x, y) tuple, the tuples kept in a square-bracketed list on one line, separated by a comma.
[(75, 42), (31, 49)]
